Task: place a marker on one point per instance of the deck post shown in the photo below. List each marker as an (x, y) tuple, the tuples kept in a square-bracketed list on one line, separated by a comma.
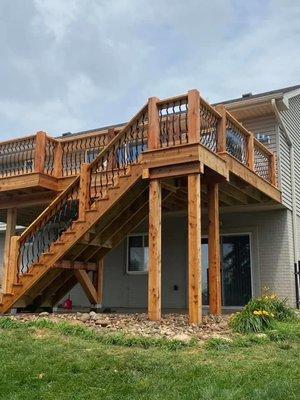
[(58, 158), (272, 169), (221, 130), (40, 149), (154, 268), (98, 282), (11, 222), (11, 276), (153, 124), (194, 249), (250, 151), (193, 116), (84, 192), (214, 262)]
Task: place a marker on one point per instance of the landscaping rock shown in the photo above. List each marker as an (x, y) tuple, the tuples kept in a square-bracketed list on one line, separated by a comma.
[(84, 317), (43, 314)]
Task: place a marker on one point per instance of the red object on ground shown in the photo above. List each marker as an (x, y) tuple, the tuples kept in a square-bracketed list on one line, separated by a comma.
[(67, 304)]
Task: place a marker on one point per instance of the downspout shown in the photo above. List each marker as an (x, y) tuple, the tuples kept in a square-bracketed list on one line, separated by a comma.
[(293, 181)]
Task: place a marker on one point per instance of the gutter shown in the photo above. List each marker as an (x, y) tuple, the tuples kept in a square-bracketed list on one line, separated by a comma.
[(292, 163)]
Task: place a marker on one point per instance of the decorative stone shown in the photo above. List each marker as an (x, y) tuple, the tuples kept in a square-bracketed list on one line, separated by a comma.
[(84, 317)]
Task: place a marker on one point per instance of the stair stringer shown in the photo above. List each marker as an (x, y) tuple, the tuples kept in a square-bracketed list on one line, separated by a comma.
[(70, 237)]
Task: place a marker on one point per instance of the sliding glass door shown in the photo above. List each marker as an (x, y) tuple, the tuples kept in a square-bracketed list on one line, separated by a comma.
[(235, 267)]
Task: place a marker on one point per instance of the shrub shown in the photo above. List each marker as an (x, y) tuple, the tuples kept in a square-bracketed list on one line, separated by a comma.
[(260, 314)]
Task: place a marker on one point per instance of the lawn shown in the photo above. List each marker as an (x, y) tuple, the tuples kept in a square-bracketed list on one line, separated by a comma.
[(43, 361)]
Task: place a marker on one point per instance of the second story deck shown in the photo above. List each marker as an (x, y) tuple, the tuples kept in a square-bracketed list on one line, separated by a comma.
[(34, 169)]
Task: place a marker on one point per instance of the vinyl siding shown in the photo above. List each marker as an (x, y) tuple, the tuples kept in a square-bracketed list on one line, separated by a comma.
[(271, 256), (291, 118), (284, 159)]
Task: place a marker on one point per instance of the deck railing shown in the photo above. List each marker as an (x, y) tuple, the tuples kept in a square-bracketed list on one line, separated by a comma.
[(44, 154), (171, 122)]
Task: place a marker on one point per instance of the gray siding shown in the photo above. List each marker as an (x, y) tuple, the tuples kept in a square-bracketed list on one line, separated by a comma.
[(284, 160), (291, 118), (271, 253)]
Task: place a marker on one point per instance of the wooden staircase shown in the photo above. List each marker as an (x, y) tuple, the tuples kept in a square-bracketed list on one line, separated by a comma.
[(101, 187)]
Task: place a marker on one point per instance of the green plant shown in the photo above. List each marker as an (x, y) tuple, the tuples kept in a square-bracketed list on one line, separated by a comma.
[(260, 314)]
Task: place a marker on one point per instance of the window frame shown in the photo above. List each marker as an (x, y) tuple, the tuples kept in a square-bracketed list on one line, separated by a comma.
[(129, 272)]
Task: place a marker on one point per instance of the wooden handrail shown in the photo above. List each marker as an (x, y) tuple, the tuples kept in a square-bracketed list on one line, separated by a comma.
[(50, 207), (116, 138)]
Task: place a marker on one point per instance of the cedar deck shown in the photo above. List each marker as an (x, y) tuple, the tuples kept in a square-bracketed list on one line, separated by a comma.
[(178, 153)]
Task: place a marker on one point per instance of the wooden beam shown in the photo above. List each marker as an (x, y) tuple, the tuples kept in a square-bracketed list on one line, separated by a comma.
[(87, 285), (193, 116), (221, 130), (153, 124), (84, 193), (40, 149), (57, 163), (154, 268), (214, 262), (12, 268), (99, 281), (11, 221), (194, 249)]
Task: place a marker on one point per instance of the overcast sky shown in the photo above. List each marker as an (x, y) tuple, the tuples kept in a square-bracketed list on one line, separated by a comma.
[(72, 65)]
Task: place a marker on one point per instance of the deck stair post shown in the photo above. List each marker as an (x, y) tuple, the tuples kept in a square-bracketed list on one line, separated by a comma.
[(12, 270), (84, 192), (193, 116), (40, 149), (221, 130)]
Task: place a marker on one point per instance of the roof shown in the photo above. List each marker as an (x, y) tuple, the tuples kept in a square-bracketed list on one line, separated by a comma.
[(249, 96)]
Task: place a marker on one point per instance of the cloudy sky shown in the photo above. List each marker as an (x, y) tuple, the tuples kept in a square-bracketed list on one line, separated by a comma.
[(72, 65)]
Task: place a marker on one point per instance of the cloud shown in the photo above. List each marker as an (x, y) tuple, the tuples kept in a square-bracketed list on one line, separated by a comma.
[(78, 64)]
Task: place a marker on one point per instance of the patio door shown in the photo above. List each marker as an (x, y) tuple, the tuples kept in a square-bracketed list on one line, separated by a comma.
[(236, 270)]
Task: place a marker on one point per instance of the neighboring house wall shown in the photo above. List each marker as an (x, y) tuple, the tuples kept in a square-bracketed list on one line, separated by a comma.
[(271, 253), (266, 126)]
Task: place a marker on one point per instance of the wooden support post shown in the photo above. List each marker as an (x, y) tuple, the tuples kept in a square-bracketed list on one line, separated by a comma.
[(272, 169), (84, 190), (87, 285), (58, 158), (154, 268), (153, 124), (194, 249), (214, 262), (11, 221), (193, 116), (221, 130), (11, 275), (98, 281), (250, 151), (40, 149)]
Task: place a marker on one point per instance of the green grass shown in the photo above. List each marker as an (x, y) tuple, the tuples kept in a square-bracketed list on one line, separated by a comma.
[(42, 361)]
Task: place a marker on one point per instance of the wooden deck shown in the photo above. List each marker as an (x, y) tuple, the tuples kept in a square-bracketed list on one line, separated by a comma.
[(175, 154)]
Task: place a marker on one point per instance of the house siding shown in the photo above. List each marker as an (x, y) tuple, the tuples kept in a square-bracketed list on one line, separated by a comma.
[(271, 256), (291, 119)]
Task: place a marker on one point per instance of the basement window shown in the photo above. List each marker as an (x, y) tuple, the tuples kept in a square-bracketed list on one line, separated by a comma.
[(137, 254)]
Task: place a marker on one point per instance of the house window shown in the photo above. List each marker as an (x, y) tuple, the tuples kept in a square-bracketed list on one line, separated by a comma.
[(137, 254)]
